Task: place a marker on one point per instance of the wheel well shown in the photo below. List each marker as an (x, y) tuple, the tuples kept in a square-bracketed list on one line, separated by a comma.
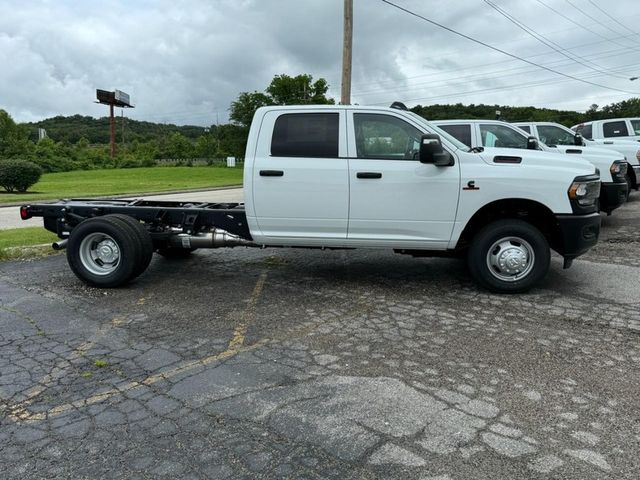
[(530, 211)]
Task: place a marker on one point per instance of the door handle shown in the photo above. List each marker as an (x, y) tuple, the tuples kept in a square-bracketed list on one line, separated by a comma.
[(271, 173), (369, 175)]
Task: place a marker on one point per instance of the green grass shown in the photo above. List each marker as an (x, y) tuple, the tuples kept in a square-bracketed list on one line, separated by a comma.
[(96, 183), (23, 242)]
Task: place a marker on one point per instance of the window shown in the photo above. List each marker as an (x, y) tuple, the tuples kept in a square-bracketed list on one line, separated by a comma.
[(461, 132), (502, 136), (615, 129), (635, 124), (386, 137), (585, 130), (555, 135), (305, 135), (526, 128)]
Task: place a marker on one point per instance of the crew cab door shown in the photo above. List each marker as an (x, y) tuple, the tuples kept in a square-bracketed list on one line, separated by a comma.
[(395, 199), (300, 175)]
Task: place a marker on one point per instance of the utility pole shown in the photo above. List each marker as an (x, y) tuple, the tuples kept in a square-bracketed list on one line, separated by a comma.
[(122, 122), (112, 129), (345, 98)]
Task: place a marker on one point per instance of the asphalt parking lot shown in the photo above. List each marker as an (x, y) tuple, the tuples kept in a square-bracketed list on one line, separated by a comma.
[(306, 364)]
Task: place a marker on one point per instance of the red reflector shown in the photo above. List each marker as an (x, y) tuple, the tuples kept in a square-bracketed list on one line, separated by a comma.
[(24, 213)]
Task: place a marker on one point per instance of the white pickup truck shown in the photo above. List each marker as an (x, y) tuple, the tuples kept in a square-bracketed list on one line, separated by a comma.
[(612, 166), (621, 134), (352, 176)]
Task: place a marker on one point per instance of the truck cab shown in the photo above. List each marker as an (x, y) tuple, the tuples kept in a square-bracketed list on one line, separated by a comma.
[(612, 166)]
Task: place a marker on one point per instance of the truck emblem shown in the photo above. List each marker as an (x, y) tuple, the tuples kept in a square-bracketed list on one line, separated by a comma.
[(471, 185)]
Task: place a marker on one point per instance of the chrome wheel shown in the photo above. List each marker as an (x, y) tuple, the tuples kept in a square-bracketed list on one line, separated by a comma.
[(99, 253), (510, 259)]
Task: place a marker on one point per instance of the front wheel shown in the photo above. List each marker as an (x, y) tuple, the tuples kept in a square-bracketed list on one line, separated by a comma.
[(509, 256)]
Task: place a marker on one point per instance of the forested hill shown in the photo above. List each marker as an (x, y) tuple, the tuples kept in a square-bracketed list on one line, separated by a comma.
[(96, 130), (509, 114), (625, 108)]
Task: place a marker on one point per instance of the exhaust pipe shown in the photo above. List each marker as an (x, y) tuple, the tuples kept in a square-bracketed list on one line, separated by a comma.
[(215, 239), (60, 244)]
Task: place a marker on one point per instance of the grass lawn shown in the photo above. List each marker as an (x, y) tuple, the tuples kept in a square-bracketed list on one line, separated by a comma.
[(96, 183), (20, 242)]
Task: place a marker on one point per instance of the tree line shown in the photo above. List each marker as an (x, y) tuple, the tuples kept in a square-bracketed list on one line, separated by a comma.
[(82, 142)]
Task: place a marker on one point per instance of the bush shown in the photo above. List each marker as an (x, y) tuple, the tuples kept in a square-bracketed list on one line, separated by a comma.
[(18, 175)]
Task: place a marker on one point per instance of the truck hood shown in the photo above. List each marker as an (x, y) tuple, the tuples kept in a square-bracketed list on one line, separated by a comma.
[(628, 148), (538, 158)]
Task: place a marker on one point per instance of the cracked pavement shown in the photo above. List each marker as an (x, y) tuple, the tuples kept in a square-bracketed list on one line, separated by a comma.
[(282, 363)]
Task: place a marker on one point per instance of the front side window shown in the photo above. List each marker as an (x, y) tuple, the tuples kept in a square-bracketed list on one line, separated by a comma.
[(615, 129), (385, 137), (586, 131), (502, 136), (555, 135), (461, 132), (305, 135), (635, 125)]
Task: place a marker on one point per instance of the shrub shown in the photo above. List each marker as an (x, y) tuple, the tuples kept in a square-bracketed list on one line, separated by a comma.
[(18, 175)]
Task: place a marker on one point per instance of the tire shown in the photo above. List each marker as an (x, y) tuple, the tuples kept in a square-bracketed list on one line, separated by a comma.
[(115, 264), (629, 185), (144, 240), (175, 252), (520, 243)]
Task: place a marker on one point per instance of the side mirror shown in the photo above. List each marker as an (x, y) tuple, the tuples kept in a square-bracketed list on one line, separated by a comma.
[(532, 143), (577, 140), (431, 151)]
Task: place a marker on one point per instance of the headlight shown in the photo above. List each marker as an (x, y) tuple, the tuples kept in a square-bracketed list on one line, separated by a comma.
[(584, 191), (618, 171)]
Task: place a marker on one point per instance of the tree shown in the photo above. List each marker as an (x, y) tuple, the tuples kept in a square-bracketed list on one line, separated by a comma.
[(283, 90), (14, 139), (245, 106)]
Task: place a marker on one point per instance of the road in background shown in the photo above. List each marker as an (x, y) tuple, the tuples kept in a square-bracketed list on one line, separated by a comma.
[(10, 216)]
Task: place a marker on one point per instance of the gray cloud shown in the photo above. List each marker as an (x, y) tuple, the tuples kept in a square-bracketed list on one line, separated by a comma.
[(185, 61)]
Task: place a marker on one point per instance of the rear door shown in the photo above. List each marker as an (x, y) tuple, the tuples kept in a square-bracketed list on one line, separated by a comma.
[(300, 175), (395, 199)]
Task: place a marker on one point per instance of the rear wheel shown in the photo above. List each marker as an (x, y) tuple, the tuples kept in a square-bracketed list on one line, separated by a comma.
[(103, 252), (144, 241), (509, 256)]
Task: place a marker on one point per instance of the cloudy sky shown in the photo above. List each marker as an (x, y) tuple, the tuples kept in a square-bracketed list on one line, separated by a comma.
[(184, 61)]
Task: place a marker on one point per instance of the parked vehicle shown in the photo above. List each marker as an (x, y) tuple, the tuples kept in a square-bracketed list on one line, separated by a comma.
[(619, 128), (339, 176), (493, 133), (612, 133)]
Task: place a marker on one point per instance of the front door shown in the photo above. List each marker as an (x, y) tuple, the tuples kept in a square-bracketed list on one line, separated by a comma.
[(394, 197)]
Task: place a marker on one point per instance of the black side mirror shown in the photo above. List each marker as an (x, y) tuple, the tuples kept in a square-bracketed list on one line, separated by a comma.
[(577, 140), (532, 143), (431, 151)]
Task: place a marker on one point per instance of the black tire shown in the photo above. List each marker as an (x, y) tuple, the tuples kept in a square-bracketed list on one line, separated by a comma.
[(519, 241), (83, 243), (629, 185), (144, 239), (175, 252)]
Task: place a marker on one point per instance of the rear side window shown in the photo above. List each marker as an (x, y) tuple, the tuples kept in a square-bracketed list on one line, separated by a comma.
[(461, 132), (305, 135), (635, 124), (615, 129), (585, 130), (526, 128)]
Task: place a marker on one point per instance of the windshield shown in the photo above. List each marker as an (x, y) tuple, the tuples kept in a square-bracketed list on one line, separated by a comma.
[(552, 135), (449, 138)]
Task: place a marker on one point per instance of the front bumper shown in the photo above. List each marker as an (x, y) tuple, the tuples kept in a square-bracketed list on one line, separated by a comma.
[(578, 233), (612, 195)]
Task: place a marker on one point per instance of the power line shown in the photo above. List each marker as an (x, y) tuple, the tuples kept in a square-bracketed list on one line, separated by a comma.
[(612, 40), (504, 52), (547, 42), (592, 17), (616, 21)]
